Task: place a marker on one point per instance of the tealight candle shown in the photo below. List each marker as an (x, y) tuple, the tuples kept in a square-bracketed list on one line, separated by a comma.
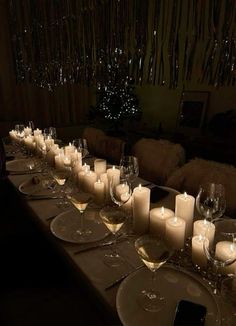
[(198, 254), (175, 232), (100, 166), (141, 206), (204, 228), (226, 250), (184, 208), (158, 217), (99, 192)]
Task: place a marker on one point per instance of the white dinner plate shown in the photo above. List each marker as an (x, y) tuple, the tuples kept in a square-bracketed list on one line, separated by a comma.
[(65, 225), (21, 165), (174, 285), (34, 187)]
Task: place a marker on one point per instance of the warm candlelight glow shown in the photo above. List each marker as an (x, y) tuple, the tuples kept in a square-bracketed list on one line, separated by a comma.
[(162, 210)]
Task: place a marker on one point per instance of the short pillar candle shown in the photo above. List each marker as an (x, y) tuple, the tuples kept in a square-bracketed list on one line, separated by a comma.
[(158, 217), (175, 232)]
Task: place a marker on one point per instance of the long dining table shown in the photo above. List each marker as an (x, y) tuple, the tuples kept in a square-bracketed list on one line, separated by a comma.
[(104, 282)]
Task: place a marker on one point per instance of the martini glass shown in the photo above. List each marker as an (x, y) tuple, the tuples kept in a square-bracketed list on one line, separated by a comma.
[(113, 218), (80, 201), (154, 252)]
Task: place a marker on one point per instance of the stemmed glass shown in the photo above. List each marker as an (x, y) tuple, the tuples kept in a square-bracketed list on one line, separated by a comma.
[(154, 252), (113, 218), (222, 253), (80, 201), (129, 167), (81, 146), (210, 201), (61, 176)]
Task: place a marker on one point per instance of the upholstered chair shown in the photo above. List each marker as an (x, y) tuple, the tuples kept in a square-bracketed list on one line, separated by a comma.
[(111, 148), (94, 137), (198, 171), (158, 159)]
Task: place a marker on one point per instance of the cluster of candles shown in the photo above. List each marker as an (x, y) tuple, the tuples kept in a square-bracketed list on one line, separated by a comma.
[(175, 227)]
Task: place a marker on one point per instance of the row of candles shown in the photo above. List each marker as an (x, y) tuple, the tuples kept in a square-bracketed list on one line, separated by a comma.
[(176, 226)]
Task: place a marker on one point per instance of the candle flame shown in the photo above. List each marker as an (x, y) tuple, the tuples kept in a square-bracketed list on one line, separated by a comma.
[(185, 195), (140, 186), (99, 181), (113, 168), (175, 219), (162, 210)]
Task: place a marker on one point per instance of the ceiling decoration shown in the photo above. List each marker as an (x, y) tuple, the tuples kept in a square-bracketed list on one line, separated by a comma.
[(154, 42)]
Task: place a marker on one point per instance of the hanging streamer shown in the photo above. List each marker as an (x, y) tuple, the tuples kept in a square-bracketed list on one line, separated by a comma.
[(156, 42)]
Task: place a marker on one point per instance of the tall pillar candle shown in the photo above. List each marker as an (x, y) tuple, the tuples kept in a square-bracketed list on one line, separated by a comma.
[(206, 229), (88, 183), (99, 192), (141, 206), (104, 179), (100, 166), (158, 217), (184, 208), (198, 254), (113, 174), (175, 232)]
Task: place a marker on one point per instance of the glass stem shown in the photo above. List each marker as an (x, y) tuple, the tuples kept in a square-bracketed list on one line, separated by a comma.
[(153, 281), (114, 247), (81, 221)]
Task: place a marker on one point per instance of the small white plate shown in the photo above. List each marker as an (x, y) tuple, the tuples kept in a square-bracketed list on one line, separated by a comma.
[(33, 187), (174, 285), (65, 225), (21, 165)]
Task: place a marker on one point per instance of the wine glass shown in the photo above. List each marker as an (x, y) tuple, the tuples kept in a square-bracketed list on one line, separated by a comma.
[(113, 218), (53, 132), (80, 201), (222, 253), (154, 252), (81, 146), (120, 191), (210, 201), (129, 167), (61, 176)]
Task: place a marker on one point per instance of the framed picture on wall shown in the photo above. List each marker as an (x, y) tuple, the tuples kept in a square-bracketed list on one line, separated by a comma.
[(192, 110)]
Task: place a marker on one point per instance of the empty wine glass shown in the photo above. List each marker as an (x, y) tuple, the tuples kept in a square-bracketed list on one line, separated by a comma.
[(61, 176), (210, 201), (53, 132), (80, 201), (154, 252), (120, 192), (129, 167), (81, 146), (222, 253), (113, 218)]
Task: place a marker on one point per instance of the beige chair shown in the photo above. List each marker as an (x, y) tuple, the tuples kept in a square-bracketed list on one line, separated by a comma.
[(158, 159), (94, 137), (111, 148), (198, 171)]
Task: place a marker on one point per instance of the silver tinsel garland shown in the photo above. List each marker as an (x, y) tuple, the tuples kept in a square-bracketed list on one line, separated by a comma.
[(157, 42)]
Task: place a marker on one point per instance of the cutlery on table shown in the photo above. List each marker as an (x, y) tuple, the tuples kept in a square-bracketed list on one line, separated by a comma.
[(122, 277)]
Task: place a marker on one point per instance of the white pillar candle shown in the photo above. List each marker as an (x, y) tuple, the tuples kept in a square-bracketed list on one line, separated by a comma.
[(99, 192), (54, 150), (37, 132), (13, 135), (113, 174), (127, 206), (104, 179), (85, 167), (175, 232), (141, 206), (59, 161), (226, 250), (49, 142), (67, 161), (100, 166), (29, 142), (75, 157), (158, 217), (80, 178), (184, 208), (27, 131), (204, 228), (198, 254), (69, 149), (89, 179), (120, 189)]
